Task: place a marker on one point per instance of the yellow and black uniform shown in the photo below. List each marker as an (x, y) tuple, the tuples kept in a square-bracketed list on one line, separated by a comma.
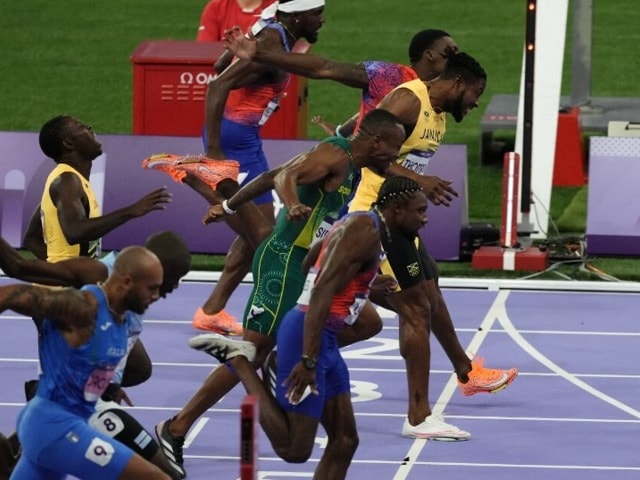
[(406, 259), (57, 246), (415, 152)]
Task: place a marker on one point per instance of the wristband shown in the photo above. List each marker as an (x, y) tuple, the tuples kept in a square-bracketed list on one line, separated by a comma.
[(338, 134), (227, 209)]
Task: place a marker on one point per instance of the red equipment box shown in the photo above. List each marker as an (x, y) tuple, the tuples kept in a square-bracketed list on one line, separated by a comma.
[(501, 258), (170, 80)]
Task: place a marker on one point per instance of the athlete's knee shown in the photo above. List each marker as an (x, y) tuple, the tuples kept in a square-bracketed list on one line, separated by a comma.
[(344, 446), (261, 354), (366, 327), (119, 425), (294, 452), (414, 328), (228, 187), (416, 323), (369, 320), (139, 468), (434, 296), (414, 312), (369, 324), (263, 343)]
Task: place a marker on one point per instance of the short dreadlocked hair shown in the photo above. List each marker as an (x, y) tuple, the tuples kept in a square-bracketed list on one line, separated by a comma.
[(396, 188), (464, 65), (424, 40)]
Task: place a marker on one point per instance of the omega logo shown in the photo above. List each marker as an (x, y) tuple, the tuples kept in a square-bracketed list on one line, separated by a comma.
[(200, 78)]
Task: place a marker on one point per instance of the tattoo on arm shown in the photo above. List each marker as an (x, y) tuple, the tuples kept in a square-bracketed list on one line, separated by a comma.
[(69, 307)]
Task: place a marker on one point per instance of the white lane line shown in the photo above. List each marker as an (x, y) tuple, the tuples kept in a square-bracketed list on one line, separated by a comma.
[(419, 444), (503, 319), (195, 430)]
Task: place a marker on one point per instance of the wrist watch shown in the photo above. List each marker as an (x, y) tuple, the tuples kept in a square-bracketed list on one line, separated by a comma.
[(308, 362)]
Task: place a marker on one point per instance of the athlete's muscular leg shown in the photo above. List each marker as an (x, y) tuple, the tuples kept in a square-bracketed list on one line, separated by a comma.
[(205, 191), (441, 322), (138, 468), (238, 261), (339, 422), (292, 435), (368, 325), (444, 331), (120, 425), (7, 458), (413, 308), (216, 385), (252, 224), (219, 382), (236, 266)]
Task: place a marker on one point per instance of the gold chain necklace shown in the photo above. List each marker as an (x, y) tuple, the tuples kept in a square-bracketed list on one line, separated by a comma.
[(287, 30)]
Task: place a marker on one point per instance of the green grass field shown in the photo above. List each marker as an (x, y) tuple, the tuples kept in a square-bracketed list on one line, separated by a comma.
[(75, 58)]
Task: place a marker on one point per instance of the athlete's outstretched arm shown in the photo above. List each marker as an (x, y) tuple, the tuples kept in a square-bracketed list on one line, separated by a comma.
[(305, 64), (67, 308), (304, 169), (69, 198), (236, 75), (406, 106), (256, 187), (74, 272)]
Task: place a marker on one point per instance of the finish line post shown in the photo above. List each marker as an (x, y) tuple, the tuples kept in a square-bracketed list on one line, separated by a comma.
[(249, 416)]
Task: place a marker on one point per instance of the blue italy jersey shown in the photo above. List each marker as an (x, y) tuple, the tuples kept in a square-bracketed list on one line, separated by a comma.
[(76, 377)]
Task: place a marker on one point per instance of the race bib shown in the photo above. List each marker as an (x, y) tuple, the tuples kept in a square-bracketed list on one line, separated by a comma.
[(271, 107), (109, 423), (417, 161), (322, 231), (99, 452), (97, 383), (309, 282), (355, 308)]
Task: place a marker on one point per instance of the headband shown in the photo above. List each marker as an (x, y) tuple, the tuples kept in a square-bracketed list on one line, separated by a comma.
[(269, 13), (299, 6)]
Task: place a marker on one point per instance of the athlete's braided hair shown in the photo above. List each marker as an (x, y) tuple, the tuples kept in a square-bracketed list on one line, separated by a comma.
[(464, 65), (424, 40), (51, 136), (396, 188)]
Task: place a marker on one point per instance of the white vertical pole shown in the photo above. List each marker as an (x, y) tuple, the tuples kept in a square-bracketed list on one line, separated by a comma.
[(551, 24)]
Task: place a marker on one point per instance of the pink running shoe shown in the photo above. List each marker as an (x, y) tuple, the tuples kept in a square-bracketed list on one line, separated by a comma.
[(177, 167), (220, 322), (486, 380)]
